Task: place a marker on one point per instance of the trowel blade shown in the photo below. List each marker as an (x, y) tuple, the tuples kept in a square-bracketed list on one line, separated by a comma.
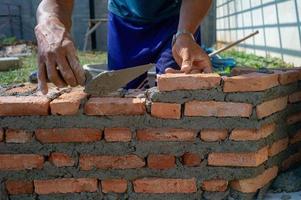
[(110, 81)]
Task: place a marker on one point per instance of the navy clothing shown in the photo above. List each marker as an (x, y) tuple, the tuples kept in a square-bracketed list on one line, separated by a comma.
[(132, 43), (145, 10)]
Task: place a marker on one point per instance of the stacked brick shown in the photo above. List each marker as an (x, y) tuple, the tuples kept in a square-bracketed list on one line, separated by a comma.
[(194, 136)]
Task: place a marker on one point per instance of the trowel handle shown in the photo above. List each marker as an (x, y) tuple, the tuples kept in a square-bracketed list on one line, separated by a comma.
[(232, 44)]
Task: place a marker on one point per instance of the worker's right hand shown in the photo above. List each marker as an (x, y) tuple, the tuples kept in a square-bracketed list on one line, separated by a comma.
[(57, 57)]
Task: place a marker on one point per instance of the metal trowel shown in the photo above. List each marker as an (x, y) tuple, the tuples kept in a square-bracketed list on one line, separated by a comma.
[(110, 81)]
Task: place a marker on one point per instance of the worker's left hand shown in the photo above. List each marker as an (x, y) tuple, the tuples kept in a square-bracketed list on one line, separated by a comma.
[(189, 56)]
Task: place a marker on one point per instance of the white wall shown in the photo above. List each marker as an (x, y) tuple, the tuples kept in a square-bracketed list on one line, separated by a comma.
[(278, 21)]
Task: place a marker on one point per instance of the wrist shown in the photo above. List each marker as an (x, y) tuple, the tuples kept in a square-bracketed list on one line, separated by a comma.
[(182, 35)]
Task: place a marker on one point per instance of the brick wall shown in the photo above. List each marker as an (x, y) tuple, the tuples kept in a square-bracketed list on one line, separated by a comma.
[(194, 136)]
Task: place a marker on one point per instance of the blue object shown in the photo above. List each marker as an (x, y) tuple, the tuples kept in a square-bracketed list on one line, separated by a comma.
[(132, 43), (145, 10)]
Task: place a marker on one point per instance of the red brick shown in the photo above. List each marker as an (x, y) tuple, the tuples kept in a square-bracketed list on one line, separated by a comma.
[(191, 159), (292, 119), (115, 106), (118, 134), (114, 185), (171, 82), (11, 162), (244, 159), (166, 110), (253, 184), (217, 109), (269, 107), (215, 185), (17, 136), (61, 135), (244, 134), (278, 147), (161, 161), (1, 134), (65, 185), (88, 162), (213, 135), (291, 160), (17, 187), (26, 88), (61, 160), (161, 186), (67, 103), (296, 138), (295, 97), (287, 77), (23, 105), (251, 82), (165, 134)]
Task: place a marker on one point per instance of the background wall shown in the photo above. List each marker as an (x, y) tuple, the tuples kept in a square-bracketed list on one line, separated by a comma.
[(278, 22)]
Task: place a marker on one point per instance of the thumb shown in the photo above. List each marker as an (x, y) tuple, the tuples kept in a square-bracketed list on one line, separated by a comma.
[(186, 62)]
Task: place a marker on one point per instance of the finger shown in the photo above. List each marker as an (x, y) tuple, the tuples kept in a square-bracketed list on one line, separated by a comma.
[(186, 62), (172, 71), (195, 71), (66, 71), (78, 71), (42, 78), (53, 74)]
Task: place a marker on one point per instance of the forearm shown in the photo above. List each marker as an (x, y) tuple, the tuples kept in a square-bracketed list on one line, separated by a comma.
[(61, 10), (192, 13)]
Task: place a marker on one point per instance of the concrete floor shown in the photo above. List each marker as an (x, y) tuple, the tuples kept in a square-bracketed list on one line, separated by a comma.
[(283, 196)]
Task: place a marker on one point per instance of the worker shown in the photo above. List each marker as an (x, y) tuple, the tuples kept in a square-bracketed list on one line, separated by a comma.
[(165, 32)]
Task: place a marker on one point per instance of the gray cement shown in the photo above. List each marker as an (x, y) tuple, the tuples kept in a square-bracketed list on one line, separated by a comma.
[(289, 181)]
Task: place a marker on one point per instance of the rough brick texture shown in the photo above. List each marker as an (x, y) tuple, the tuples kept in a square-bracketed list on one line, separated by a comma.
[(213, 135), (269, 107), (68, 135), (295, 97), (253, 184), (117, 134), (114, 186), (27, 105), (278, 146), (65, 185), (115, 106), (19, 187), (160, 185), (217, 185), (296, 137), (250, 159), (21, 161), (61, 160), (251, 82), (170, 82), (166, 110), (217, 109), (166, 135), (161, 161), (191, 159), (88, 162), (17, 136), (292, 119), (287, 77), (243, 134), (291, 161)]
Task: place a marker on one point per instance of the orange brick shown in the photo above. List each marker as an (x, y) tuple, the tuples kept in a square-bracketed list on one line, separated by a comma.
[(161, 161), (165, 134), (88, 162), (161, 186), (12, 162), (269, 107), (253, 184), (213, 135), (1, 135), (115, 106), (61, 135), (114, 185), (295, 97), (243, 134), (278, 147), (245, 159), (216, 185), (291, 160), (17, 187), (67, 103), (65, 185), (287, 77), (292, 119), (17, 136), (118, 134), (171, 82), (166, 110), (26, 88), (296, 138), (23, 105), (217, 109), (251, 82), (61, 160), (191, 159)]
